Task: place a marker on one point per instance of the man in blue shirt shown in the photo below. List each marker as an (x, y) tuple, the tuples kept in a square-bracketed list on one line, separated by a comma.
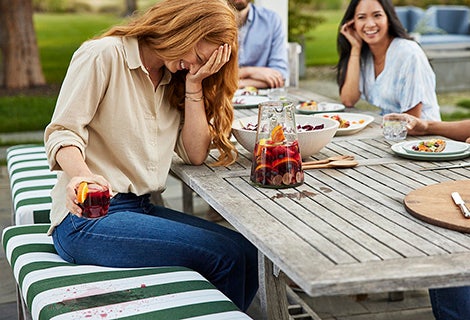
[(262, 55)]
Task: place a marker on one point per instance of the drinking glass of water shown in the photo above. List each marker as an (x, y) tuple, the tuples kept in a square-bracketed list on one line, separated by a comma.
[(277, 94), (395, 126)]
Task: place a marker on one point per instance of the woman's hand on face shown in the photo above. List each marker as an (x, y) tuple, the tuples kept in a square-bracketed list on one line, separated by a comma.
[(349, 31), (71, 202), (216, 61)]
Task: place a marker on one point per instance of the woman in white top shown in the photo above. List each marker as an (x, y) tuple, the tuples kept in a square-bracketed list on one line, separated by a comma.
[(380, 63)]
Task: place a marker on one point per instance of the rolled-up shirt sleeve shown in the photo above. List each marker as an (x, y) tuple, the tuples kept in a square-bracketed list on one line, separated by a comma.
[(77, 103)]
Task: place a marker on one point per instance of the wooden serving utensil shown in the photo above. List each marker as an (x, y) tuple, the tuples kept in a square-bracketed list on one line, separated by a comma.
[(327, 160), (332, 164)]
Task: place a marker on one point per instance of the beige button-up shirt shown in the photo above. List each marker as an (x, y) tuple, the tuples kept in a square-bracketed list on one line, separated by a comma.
[(108, 108)]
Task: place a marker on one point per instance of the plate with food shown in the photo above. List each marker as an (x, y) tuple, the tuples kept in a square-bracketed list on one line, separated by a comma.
[(434, 146), (247, 91), (455, 150), (349, 123), (312, 107), (248, 101)]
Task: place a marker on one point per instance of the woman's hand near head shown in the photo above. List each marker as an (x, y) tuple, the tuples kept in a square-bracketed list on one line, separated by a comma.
[(349, 90), (196, 134), (352, 36), (216, 61)]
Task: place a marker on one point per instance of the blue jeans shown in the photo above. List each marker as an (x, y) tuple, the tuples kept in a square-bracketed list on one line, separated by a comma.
[(136, 233), (451, 303)]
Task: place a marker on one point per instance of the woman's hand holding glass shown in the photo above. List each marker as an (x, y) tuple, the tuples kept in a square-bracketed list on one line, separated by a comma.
[(414, 125), (71, 191)]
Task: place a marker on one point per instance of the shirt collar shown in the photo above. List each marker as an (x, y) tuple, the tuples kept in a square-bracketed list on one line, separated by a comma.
[(131, 46), (251, 14)]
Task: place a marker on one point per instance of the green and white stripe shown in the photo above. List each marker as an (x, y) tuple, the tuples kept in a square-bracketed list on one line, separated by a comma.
[(31, 182), (56, 289)]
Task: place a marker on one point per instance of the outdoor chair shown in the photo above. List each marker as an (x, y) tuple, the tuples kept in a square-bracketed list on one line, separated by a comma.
[(409, 16)]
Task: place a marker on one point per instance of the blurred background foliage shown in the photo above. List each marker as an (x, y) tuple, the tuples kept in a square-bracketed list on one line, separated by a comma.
[(426, 3), (304, 15), (62, 25)]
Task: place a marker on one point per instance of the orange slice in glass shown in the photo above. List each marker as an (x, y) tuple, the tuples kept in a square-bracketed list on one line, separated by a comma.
[(82, 192), (277, 134)]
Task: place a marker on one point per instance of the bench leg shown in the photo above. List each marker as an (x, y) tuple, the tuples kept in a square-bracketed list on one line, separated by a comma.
[(21, 308)]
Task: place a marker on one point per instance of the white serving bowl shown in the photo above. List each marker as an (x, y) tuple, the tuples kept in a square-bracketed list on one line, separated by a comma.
[(310, 142)]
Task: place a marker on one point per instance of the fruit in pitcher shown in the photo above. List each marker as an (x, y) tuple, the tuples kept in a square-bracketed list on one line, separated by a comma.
[(277, 134), (277, 165)]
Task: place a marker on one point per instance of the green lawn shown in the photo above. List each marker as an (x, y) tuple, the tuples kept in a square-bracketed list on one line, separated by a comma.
[(59, 35), (25, 113), (321, 51)]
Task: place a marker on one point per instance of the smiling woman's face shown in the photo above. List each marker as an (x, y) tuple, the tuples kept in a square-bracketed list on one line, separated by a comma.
[(371, 22), (193, 61)]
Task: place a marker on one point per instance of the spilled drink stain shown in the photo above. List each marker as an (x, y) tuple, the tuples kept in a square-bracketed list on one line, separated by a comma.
[(294, 195)]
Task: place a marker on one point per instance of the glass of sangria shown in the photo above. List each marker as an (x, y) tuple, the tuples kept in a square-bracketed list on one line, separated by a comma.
[(93, 199), (276, 159)]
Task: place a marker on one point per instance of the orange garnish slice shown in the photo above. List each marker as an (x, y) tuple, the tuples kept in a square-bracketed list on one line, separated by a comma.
[(82, 192), (277, 135)]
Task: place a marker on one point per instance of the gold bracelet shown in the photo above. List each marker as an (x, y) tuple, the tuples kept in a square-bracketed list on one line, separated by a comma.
[(187, 92), (194, 99)]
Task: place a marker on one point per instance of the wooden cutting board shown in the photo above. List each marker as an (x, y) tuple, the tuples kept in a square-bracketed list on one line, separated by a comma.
[(434, 204)]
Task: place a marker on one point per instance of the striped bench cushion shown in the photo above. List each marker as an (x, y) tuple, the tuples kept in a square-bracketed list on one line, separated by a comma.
[(31, 182), (56, 289)]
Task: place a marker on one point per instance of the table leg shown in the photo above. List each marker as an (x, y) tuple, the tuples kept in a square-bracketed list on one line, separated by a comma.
[(187, 198), (272, 286)]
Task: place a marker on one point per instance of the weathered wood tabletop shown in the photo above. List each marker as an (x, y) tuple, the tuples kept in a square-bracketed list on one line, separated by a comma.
[(344, 231)]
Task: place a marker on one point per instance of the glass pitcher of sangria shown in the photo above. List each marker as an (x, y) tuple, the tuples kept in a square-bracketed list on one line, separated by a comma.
[(276, 157)]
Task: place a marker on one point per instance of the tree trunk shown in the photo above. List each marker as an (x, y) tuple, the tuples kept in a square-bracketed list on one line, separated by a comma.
[(21, 67), (131, 7)]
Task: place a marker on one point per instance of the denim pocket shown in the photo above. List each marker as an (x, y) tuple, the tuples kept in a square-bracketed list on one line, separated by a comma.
[(76, 223)]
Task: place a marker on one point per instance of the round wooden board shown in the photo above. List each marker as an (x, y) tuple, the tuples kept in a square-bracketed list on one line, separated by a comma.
[(434, 204)]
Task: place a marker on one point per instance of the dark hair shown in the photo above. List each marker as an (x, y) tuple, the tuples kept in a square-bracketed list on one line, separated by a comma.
[(395, 29)]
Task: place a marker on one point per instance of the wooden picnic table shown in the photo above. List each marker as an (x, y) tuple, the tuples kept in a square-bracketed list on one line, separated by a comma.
[(344, 231)]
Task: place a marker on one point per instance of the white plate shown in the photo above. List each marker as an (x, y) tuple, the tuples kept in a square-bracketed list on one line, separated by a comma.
[(322, 107), (245, 92), (452, 147), (398, 149), (248, 101), (357, 121)]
